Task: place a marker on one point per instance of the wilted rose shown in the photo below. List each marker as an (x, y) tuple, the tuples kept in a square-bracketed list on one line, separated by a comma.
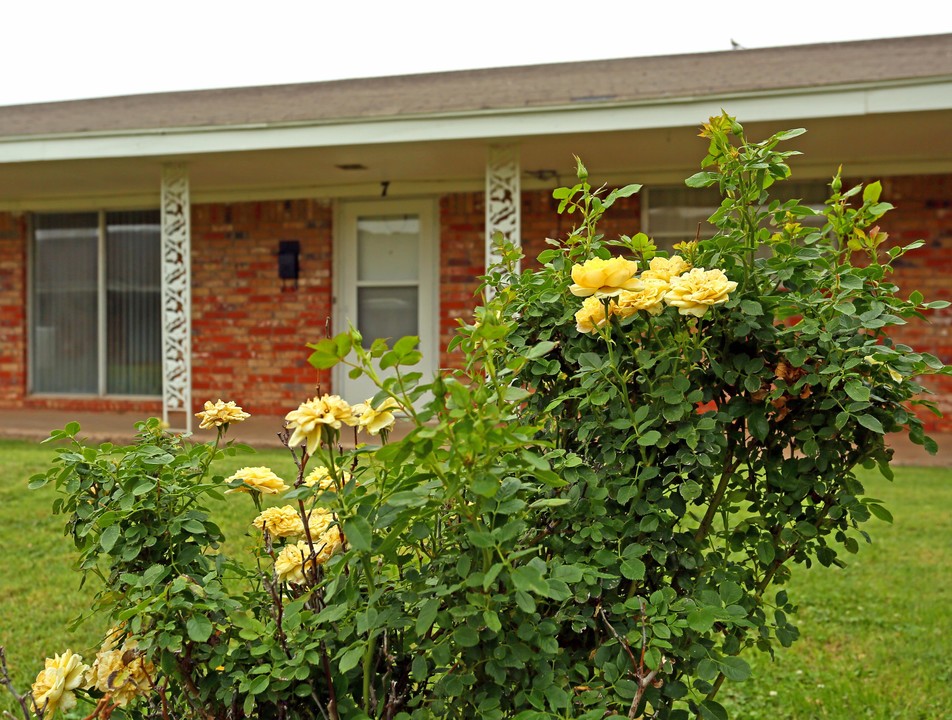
[(123, 673), (295, 560)]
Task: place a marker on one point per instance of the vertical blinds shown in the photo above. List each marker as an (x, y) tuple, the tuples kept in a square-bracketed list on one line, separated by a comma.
[(96, 315)]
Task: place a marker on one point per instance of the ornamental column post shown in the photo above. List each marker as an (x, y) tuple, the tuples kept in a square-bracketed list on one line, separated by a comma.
[(503, 199), (176, 297)]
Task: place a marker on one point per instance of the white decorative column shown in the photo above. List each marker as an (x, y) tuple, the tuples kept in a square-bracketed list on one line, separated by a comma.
[(503, 198), (176, 296)]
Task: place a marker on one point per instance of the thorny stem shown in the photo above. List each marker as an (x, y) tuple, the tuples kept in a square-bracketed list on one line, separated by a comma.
[(729, 467), (21, 699), (638, 665)]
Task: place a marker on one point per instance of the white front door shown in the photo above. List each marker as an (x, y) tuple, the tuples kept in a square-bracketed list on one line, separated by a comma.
[(386, 282)]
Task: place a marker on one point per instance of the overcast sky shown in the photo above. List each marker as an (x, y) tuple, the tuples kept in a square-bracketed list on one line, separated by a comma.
[(65, 49)]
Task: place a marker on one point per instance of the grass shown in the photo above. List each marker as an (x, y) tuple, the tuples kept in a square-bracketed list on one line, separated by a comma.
[(39, 591), (876, 637)]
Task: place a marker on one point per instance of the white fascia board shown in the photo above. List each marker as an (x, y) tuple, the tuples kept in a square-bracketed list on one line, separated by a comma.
[(673, 112)]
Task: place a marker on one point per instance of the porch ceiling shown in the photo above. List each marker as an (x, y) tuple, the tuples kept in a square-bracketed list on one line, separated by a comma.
[(894, 143)]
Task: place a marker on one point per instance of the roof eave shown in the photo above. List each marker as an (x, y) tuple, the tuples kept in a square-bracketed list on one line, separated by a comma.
[(918, 95)]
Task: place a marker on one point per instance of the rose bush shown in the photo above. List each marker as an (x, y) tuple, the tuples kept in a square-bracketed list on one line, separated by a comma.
[(595, 518)]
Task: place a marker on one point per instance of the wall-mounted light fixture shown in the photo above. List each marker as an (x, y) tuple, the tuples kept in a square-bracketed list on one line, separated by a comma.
[(289, 254)]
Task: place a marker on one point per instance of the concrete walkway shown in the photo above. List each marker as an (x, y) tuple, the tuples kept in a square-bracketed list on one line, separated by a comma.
[(262, 432)]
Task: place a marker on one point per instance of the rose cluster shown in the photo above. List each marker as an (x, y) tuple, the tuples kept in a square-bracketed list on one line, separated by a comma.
[(329, 412), (611, 287), (121, 673)]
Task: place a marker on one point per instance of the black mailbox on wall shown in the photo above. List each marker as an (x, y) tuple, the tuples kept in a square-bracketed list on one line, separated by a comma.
[(289, 253)]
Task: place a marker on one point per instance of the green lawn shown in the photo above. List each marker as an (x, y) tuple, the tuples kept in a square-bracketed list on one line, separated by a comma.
[(877, 636)]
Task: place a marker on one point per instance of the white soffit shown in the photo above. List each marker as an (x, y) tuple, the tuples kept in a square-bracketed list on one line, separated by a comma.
[(673, 112)]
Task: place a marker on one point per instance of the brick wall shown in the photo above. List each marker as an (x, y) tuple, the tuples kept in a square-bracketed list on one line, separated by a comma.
[(462, 248), (248, 331), (924, 212), (12, 309)]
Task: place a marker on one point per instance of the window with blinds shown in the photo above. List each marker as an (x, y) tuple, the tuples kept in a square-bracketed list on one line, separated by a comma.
[(678, 214), (96, 303)]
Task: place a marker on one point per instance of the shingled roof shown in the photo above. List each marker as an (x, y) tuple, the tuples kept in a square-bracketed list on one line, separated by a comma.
[(594, 83)]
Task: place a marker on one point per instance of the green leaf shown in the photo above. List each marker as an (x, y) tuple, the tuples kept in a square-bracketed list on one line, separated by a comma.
[(466, 637), (701, 620), (325, 355), (751, 307), (653, 658), (427, 615), (633, 569), (711, 710), (540, 349), (109, 537), (871, 423), (880, 512), (351, 658), (528, 578), (418, 670), (872, 192), (525, 602), (701, 180), (690, 490), (734, 668), (730, 592), (649, 438), (199, 628), (789, 134), (757, 423), (856, 390), (623, 192), (358, 533), (405, 345), (492, 620), (259, 684), (550, 502), (37, 481)]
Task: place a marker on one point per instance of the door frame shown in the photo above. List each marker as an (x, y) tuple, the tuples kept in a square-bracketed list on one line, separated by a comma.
[(344, 268)]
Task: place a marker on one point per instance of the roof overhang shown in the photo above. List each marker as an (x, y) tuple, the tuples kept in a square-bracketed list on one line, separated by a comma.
[(807, 103)]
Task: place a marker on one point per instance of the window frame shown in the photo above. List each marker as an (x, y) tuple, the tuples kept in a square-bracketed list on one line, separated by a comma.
[(660, 240), (102, 320)]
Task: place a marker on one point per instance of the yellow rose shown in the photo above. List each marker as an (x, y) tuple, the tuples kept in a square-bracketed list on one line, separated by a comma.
[(649, 298), (123, 673), (52, 689), (295, 560), (604, 278), (697, 290), (591, 316), (664, 269), (220, 413), (372, 419), (322, 477), (261, 479), (280, 522), (311, 417)]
